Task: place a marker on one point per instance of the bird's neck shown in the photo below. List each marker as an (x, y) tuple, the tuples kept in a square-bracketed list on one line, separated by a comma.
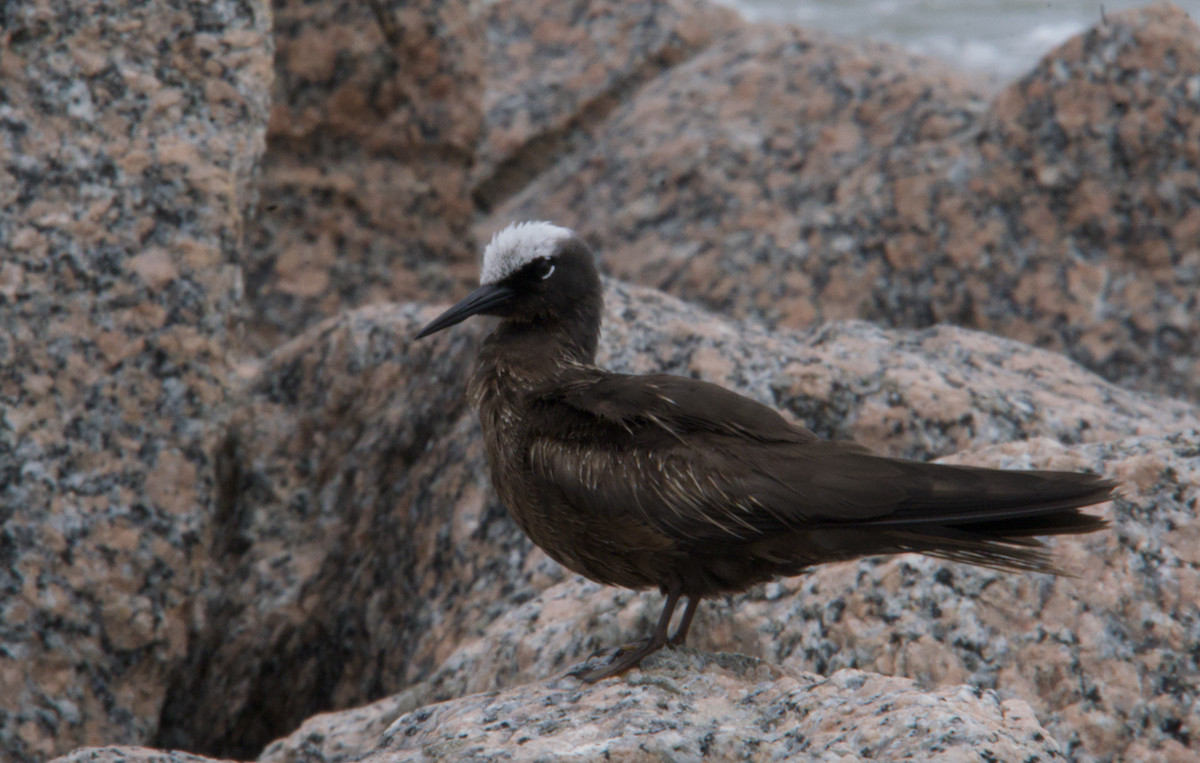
[(571, 331), (528, 354)]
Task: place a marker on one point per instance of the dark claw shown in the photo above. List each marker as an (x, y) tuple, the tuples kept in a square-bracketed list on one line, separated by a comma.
[(624, 658)]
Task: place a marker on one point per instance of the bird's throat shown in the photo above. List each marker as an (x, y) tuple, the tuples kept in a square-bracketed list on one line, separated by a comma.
[(570, 335)]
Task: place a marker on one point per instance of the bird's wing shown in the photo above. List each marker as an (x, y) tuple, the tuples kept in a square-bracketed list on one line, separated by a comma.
[(703, 463), (659, 404), (697, 460)]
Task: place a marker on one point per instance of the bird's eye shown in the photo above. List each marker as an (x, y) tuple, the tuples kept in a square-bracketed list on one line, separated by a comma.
[(545, 270)]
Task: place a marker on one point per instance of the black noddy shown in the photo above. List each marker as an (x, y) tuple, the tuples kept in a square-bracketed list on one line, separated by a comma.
[(666, 482)]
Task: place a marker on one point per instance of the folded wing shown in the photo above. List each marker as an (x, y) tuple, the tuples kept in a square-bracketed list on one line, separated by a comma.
[(705, 465)]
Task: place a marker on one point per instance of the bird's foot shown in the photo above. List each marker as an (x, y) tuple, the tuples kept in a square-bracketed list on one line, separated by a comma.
[(632, 646), (624, 658)]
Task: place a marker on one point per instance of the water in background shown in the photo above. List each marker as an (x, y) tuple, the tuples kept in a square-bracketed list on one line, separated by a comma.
[(1004, 37)]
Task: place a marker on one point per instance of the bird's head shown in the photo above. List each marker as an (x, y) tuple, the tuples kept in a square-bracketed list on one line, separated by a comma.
[(531, 272)]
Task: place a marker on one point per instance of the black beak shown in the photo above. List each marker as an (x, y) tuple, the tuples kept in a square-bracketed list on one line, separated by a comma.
[(479, 301)]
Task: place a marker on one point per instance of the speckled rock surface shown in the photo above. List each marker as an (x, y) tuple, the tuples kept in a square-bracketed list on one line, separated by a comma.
[(346, 735), (685, 705), (691, 705), (555, 70), (130, 755), (720, 707), (128, 134), (1081, 230), (785, 175), (365, 187), (363, 545)]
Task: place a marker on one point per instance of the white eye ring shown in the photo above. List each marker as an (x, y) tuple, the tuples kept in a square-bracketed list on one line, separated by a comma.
[(549, 272)]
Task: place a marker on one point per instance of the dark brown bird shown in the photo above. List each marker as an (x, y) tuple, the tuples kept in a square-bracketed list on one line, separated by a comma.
[(665, 482)]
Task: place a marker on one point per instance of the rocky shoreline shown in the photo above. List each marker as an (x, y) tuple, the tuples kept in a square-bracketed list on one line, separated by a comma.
[(243, 514)]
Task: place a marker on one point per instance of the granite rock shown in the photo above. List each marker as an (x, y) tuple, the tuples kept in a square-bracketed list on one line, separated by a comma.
[(1080, 231), (363, 545), (786, 175), (693, 705), (556, 70), (129, 132), (131, 755), (366, 181), (345, 735), (684, 705)]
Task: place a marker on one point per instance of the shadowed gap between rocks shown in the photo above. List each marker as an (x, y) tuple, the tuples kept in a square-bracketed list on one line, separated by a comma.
[(310, 652), (279, 695), (337, 552)]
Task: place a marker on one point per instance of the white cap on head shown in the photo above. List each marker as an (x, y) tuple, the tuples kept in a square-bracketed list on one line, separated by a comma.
[(518, 245)]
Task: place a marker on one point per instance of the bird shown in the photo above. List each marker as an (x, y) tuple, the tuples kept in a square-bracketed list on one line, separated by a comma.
[(668, 482)]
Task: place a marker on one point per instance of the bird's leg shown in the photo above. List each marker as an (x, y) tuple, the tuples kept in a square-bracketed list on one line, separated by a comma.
[(622, 660), (685, 622)]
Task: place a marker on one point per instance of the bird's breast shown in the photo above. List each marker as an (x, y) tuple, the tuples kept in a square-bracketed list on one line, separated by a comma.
[(498, 399)]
